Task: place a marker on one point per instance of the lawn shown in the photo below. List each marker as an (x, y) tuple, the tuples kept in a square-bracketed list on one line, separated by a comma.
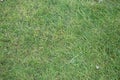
[(59, 40)]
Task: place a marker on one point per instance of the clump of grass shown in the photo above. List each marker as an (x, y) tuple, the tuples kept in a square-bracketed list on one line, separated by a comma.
[(59, 40)]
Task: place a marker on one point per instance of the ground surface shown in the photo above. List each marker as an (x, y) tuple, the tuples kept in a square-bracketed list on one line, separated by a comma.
[(59, 40)]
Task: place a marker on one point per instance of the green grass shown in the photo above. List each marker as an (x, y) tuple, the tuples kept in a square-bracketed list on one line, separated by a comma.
[(59, 40)]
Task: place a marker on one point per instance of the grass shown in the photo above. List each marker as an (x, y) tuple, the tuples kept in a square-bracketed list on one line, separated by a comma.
[(59, 40)]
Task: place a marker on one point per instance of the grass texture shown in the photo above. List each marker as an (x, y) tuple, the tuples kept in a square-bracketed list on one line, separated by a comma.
[(59, 40)]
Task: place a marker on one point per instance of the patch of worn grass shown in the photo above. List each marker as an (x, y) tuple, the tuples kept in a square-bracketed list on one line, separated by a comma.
[(59, 40)]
